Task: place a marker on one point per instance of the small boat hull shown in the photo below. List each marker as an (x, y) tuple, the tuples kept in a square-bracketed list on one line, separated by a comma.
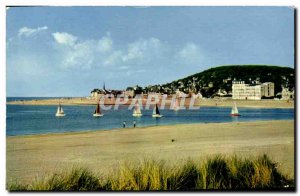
[(137, 115), (97, 115), (234, 115), (156, 115), (59, 115)]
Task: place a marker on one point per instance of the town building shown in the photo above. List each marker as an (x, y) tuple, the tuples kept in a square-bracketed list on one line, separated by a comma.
[(240, 90), (286, 94), (97, 93), (267, 89), (129, 93)]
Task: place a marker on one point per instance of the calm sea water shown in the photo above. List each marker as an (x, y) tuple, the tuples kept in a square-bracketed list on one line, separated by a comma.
[(28, 120)]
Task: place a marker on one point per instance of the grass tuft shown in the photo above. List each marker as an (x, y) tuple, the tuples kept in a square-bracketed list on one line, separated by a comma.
[(152, 175)]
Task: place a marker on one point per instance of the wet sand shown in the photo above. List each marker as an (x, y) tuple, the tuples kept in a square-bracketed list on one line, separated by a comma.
[(34, 156), (198, 102)]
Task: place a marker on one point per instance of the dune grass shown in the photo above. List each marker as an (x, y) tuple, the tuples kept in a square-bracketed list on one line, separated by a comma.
[(152, 175)]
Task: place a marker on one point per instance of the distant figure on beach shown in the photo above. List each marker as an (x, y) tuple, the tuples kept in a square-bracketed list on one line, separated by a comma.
[(134, 124), (124, 124)]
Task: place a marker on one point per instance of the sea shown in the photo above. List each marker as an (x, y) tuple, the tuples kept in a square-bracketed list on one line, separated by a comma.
[(32, 119)]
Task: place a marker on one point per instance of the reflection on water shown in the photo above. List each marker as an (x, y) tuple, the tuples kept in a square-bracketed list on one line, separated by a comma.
[(26, 119)]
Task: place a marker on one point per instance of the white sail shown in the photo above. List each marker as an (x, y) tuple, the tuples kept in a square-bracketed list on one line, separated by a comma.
[(176, 105), (234, 109), (154, 110), (61, 110), (156, 113), (137, 111)]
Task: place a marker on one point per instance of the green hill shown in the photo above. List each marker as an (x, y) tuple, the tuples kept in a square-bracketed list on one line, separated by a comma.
[(208, 82)]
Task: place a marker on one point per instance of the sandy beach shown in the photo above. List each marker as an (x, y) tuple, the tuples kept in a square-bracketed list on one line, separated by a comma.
[(34, 156), (222, 102)]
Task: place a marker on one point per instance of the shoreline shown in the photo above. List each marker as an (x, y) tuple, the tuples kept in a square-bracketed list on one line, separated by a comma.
[(128, 128), (265, 103), (33, 156)]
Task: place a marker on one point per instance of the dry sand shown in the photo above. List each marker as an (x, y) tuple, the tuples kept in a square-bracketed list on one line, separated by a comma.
[(34, 156), (221, 102)]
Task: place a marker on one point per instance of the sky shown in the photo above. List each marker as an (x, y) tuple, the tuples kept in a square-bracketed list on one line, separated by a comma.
[(68, 51)]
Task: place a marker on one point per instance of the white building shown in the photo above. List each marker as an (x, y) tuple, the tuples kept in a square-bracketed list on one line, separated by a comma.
[(97, 94), (240, 90), (94, 94), (268, 89), (129, 93)]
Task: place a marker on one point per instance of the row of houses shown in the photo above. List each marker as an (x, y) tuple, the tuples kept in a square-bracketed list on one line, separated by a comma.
[(131, 93), (240, 91)]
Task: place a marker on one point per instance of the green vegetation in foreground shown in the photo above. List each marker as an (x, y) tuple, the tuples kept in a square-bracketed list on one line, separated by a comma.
[(149, 175)]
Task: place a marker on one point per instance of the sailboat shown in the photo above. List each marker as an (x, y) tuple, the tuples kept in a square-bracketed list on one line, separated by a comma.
[(60, 111), (156, 113), (234, 110), (176, 106), (137, 111), (97, 112)]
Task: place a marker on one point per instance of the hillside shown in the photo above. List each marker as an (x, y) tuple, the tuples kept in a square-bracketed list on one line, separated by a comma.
[(210, 81)]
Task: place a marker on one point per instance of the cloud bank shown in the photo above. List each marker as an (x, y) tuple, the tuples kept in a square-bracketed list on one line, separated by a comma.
[(86, 54), (62, 62)]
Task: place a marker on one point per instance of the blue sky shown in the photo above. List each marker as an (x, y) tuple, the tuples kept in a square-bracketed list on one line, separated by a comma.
[(68, 51)]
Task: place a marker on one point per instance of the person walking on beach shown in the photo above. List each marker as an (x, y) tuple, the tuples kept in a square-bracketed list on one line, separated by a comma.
[(124, 124), (134, 124)]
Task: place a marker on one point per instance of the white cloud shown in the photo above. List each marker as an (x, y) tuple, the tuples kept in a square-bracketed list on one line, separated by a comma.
[(94, 53), (142, 49), (64, 38), (88, 54), (80, 55), (134, 52), (113, 59), (27, 32), (144, 60), (105, 44)]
